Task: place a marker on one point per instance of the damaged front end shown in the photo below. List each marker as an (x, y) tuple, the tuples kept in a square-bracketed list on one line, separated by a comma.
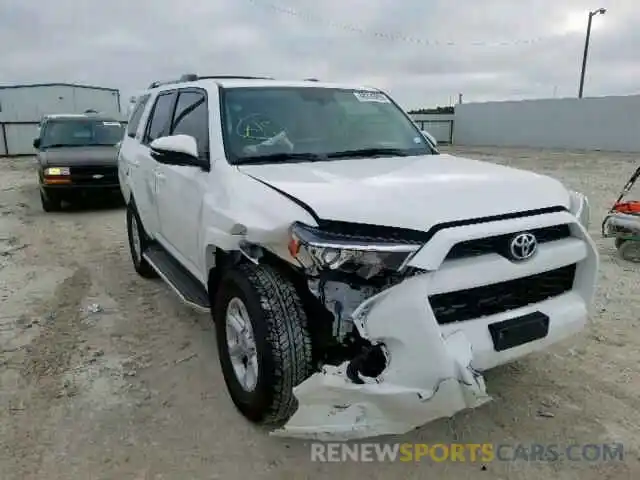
[(391, 369)]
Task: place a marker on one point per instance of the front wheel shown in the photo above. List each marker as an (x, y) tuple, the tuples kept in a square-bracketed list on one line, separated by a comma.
[(50, 202), (263, 342)]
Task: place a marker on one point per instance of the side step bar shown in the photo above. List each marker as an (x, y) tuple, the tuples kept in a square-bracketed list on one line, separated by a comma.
[(185, 285)]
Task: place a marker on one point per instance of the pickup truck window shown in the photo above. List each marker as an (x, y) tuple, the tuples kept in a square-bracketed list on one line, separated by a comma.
[(324, 123), (191, 117)]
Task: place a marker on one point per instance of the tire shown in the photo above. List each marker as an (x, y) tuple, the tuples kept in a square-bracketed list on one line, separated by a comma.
[(134, 229), (281, 339), (629, 250), (50, 203)]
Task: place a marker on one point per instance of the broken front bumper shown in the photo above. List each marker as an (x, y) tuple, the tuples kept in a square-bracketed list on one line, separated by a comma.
[(433, 370)]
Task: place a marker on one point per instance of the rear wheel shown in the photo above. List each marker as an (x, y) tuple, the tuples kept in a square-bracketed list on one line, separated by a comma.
[(138, 242), (263, 342), (50, 202)]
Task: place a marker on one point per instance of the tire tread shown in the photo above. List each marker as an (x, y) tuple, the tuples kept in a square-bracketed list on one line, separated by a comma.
[(287, 334)]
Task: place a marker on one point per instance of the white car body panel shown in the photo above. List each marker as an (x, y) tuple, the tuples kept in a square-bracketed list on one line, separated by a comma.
[(433, 370), (418, 192)]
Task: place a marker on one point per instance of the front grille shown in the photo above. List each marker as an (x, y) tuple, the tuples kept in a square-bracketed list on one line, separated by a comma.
[(84, 175), (500, 243), (500, 297)]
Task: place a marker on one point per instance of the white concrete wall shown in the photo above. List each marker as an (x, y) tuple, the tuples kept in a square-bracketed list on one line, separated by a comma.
[(604, 123)]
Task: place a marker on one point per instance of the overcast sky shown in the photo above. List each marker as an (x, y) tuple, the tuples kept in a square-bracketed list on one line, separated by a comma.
[(127, 44)]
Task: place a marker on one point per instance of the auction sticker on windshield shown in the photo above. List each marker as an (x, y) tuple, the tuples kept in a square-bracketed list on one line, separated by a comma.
[(365, 96)]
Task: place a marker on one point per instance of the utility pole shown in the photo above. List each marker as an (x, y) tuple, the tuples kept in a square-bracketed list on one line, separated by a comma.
[(600, 11), (459, 98)]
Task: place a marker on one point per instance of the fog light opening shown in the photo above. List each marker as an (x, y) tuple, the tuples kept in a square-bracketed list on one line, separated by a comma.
[(370, 363)]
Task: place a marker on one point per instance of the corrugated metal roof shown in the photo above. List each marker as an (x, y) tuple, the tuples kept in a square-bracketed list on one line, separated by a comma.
[(74, 85)]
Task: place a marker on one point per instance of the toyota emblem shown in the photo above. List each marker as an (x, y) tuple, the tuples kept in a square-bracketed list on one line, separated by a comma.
[(523, 246), (98, 176)]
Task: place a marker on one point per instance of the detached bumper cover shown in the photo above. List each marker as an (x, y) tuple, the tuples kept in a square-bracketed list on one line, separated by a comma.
[(334, 408), (433, 370)]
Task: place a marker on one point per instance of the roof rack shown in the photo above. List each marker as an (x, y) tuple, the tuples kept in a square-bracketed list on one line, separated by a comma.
[(192, 77)]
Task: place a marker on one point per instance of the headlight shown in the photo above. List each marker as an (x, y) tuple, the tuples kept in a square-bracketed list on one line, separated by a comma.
[(315, 249), (580, 208), (55, 171)]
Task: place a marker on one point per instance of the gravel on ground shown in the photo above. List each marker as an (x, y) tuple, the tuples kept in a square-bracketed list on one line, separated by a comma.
[(105, 375)]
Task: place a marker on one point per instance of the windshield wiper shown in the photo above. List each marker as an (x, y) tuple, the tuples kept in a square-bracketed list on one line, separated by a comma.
[(370, 152), (281, 158)]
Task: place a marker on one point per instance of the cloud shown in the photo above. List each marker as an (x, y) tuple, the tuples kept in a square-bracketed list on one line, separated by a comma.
[(423, 52)]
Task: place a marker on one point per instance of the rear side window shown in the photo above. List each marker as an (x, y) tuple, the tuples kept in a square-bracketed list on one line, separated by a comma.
[(136, 115), (160, 118), (191, 117)]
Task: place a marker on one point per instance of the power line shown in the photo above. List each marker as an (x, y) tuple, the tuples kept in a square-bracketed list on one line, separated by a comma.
[(392, 36)]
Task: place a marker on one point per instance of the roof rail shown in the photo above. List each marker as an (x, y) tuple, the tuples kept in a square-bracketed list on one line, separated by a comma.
[(310, 79), (232, 77), (192, 77)]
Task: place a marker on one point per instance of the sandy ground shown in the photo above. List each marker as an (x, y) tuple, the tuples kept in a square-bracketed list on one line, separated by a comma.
[(104, 375)]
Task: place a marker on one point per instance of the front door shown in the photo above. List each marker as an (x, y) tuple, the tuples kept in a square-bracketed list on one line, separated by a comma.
[(181, 190)]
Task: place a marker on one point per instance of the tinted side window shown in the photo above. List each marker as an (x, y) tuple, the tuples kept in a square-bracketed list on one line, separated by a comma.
[(192, 118), (160, 118), (134, 121)]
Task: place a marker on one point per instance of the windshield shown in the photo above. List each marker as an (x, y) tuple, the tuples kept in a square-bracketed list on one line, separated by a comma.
[(80, 133), (276, 124)]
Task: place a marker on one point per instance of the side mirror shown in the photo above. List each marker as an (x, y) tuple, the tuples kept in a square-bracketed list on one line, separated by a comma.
[(36, 143), (181, 150), (430, 137)]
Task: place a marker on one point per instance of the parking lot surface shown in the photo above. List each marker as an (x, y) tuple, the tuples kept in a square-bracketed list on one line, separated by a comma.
[(105, 375)]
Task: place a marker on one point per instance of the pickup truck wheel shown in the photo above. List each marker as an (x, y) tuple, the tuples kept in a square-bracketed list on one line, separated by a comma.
[(263, 342), (138, 241), (50, 203)]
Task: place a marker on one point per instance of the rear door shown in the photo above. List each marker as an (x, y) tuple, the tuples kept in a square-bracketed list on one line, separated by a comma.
[(128, 162), (157, 125)]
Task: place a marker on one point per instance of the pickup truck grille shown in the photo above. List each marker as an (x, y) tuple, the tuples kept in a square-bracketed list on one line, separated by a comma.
[(500, 243), (500, 297), (85, 175)]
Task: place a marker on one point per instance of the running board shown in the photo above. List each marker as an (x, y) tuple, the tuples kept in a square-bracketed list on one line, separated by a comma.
[(181, 281)]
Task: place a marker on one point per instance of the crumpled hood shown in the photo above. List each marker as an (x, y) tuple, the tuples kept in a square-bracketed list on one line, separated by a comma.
[(411, 192), (68, 156)]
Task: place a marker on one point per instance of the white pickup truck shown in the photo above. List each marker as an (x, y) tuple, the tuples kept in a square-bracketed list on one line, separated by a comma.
[(360, 281)]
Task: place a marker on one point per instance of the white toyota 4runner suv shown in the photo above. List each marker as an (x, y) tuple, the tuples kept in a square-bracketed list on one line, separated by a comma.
[(360, 281)]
